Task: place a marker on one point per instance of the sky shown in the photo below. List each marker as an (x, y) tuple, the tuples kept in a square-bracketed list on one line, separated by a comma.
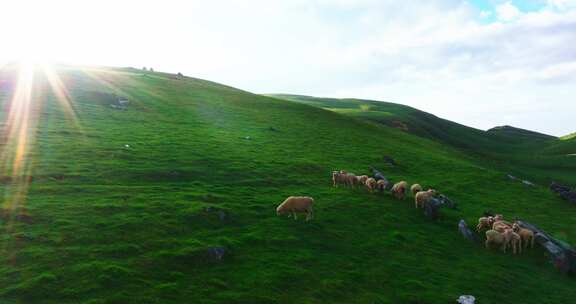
[(482, 63)]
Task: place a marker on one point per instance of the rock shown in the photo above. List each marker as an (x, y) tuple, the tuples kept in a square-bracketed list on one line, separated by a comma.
[(446, 201), (558, 188), (222, 215), (528, 183), (562, 255), (390, 161), (432, 208), (467, 299), (216, 253), (466, 232), (511, 177), (377, 174)]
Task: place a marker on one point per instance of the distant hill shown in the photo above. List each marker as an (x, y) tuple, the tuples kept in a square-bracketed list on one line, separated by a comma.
[(569, 136), (527, 153), (517, 132)]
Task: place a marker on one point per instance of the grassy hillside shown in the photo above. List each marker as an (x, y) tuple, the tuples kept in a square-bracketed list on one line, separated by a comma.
[(103, 205), (527, 154), (569, 136)]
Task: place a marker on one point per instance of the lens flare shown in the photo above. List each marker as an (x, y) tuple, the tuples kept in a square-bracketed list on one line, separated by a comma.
[(20, 118)]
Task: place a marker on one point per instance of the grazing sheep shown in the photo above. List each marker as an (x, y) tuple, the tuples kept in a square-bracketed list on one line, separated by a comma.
[(485, 222), (351, 179), (381, 185), (297, 204), (527, 235), (371, 184), (415, 189), (495, 237), (362, 179), (501, 225), (514, 240), (423, 196), (338, 178), (399, 189)]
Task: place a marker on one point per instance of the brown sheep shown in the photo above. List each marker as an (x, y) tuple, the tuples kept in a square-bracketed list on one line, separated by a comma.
[(381, 185), (351, 180), (527, 235), (362, 179), (371, 184), (415, 189), (495, 237), (338, 178), (423, 196), (485, 223), (514, 240), (501, 225), (399, 190), (297, 204)]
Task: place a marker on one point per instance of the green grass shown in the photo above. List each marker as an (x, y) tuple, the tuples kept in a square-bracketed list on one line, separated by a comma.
[(529, 155), (111, 224)]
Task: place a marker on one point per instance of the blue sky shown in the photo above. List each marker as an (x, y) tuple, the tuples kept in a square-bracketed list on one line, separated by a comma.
[(478, 62)]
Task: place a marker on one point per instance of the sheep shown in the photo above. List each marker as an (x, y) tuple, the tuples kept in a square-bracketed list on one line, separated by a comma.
[(415, 189), (371, 184), (514, 240), (362, 179), (501, 225), (351, 179), (381, 185), (337, 178), (527, 235), (485, 222), (399, 189), (495, 237), (423, 196), (297, 204)]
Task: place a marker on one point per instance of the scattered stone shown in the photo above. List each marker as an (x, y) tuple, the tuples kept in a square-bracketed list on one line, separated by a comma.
[(528, 183), (466, 299), (216, 253), (432, 208), (377, 174), (562, 255), (466, 232), (390, 161), (222, 215), (247, 138), (565, 192), (511, 177), (446, 201)]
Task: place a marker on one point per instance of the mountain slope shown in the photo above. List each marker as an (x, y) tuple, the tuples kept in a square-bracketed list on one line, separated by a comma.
[(569, 136), (123, 206), (530, 155)]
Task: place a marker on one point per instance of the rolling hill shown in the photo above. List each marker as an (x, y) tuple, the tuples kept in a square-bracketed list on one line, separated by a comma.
[(527, 154), (170, 198)]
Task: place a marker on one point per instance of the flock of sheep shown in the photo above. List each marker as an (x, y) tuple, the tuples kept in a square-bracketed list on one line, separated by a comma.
[(304, 204), (500, 232), (505, 234)]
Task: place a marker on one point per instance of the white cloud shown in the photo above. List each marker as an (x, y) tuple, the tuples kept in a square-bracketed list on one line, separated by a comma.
[(507, 11)]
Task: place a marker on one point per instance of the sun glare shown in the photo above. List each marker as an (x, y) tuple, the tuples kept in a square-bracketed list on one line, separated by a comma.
[(31, 82)]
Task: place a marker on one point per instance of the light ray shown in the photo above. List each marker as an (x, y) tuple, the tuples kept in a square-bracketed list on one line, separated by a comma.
[(61, 92)]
